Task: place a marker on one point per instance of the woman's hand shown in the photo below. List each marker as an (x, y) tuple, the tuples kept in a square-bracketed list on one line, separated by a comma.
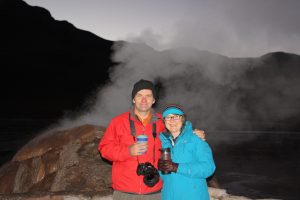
[(167, 165)]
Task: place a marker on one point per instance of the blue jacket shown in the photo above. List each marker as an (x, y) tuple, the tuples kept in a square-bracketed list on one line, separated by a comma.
[(196, 163)]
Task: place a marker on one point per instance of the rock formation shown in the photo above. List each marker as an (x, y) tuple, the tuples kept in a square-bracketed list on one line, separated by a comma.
[(63, 161)]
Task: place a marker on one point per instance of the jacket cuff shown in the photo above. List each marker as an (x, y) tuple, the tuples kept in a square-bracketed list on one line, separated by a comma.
[(125, 153)]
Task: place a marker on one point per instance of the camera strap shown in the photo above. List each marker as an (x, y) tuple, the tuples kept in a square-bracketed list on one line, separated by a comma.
[(133, 133)]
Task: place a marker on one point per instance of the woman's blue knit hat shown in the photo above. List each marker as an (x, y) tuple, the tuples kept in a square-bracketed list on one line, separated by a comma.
[(172, 109)]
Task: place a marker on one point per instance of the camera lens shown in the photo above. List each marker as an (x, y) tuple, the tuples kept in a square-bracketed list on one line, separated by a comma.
[(151, 179), (150, 173)]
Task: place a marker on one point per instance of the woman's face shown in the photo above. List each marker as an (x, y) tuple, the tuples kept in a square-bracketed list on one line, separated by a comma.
[(174, 123)]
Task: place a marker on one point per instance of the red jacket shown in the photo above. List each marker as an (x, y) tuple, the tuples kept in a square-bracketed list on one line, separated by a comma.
[(114, 146)]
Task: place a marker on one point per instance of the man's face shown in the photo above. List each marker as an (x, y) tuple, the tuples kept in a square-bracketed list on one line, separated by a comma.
[(143, 100)]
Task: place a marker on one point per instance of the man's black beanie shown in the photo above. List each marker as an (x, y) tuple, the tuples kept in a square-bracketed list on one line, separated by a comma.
[(143, 84)]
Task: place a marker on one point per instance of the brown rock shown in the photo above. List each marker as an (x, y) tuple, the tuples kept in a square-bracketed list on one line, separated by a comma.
[(65, 161), (54, 140)]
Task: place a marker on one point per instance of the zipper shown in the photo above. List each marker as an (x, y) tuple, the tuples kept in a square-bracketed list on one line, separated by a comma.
[(143, 132), (143, 129)]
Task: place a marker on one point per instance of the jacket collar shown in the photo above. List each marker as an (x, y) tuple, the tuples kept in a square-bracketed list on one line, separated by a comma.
[(154, 117)]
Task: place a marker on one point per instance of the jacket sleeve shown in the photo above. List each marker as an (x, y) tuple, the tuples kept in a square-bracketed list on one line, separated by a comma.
[(203, 165), (110, 146)]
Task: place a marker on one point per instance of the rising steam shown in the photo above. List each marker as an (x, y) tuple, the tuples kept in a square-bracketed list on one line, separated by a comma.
[(217, 92)]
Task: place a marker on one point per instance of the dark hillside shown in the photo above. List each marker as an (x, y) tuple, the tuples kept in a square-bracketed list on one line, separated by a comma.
[(48, 66)]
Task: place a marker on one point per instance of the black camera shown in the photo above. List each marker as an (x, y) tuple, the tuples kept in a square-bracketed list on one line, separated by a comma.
[(150, 173)]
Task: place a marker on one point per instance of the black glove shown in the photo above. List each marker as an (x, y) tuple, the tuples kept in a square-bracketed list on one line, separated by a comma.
[(167, 165), (160, 164)]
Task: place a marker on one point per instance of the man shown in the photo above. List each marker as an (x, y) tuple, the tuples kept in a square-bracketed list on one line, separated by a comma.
[(133, 172)]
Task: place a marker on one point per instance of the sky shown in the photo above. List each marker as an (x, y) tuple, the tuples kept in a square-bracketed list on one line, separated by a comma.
[(234, 28)]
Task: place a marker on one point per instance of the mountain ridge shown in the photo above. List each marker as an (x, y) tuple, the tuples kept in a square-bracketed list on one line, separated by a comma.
[(44, 59), (51, 68)]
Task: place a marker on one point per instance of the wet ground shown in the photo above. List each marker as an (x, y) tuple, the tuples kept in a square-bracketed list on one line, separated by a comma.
[(258, 164)]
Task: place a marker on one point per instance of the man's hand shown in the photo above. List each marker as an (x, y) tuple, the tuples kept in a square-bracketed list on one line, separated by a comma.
[(167, 165), (138, 149), (200, 134)]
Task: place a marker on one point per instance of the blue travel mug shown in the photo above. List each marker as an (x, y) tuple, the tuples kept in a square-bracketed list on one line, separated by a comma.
[(142, 138)]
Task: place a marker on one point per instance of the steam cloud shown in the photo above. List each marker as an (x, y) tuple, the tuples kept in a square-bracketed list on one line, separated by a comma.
[(210, 87), (234, 28), (215, 90)]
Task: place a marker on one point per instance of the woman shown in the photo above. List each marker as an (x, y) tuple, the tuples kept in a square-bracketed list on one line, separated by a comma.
[(191, 159)]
